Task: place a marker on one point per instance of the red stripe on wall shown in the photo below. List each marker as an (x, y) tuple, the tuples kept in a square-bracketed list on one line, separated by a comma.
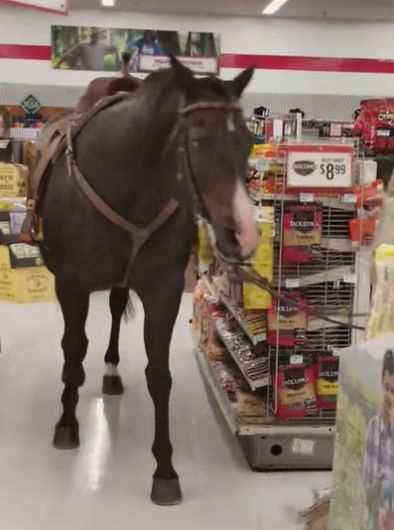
[(24, 51), (228, 60), (312, 64)]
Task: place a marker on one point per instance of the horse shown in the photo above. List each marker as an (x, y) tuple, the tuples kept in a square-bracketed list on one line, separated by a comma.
[(118, 214)]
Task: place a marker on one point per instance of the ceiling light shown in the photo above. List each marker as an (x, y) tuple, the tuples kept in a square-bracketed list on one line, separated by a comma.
[(108, 3), (273, 7)]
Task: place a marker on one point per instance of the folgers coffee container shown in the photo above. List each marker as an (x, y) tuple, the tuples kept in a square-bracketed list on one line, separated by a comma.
[(302, 226), (287, 322), (294, 384), (326, 374)]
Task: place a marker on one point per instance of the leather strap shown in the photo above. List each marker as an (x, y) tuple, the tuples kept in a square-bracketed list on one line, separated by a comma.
[(210, 105), (138, 234)]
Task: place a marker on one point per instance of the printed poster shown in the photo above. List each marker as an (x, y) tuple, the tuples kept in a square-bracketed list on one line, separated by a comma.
[(99, 48), (363, 492)]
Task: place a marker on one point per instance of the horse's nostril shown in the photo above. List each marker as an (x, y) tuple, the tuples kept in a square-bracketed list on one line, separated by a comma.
[(227, 242)]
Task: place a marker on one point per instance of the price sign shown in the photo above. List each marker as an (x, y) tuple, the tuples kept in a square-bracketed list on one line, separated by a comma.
[(314, 166)]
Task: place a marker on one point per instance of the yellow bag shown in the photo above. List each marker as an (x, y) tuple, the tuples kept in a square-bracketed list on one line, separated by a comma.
[(255, 297)]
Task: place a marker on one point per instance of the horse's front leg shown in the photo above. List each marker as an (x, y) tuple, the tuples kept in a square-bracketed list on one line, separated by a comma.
[(161, 300), (75, 304)]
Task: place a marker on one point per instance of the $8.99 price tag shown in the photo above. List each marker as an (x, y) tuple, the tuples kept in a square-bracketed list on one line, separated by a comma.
[(320, 166)]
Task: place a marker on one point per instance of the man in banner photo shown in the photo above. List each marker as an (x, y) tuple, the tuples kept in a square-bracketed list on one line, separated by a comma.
[(379, 455), (89, 54)]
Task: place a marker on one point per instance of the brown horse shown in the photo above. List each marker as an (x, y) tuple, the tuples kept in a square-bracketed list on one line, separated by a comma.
[(118, 213)]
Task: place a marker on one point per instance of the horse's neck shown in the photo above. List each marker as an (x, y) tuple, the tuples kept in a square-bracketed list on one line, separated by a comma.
[(151, 156)]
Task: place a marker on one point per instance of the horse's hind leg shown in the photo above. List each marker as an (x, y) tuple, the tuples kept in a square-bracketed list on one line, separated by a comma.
[(112, 382), (161, 301), (75, 304)]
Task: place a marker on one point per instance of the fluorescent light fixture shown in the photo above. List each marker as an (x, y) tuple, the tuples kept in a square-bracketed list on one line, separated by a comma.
[(108, 3), (273, 7)]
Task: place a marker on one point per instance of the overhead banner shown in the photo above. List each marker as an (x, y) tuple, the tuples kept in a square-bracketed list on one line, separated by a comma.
[(50, 6), (98, 48)]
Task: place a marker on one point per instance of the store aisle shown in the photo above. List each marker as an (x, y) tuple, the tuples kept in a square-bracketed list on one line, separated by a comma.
[(105, 483)]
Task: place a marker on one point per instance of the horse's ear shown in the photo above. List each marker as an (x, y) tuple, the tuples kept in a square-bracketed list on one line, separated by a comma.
[(240, 82), (183, 74)]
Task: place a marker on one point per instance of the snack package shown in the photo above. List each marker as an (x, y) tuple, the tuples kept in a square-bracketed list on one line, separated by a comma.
[(362, 229), (302, 227), (254, 297), (294, 385), (206, 256), (326, 374), (375, 124), (286, 324)]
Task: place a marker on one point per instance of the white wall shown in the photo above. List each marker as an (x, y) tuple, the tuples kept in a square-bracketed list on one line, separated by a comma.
[(239, 35)]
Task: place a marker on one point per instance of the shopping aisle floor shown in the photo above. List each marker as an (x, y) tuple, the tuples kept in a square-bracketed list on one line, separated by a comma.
[(105, 483)]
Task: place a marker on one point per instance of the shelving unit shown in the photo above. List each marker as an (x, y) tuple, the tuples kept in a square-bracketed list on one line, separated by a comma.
[(253, 383), (335, 283), (272, 444)]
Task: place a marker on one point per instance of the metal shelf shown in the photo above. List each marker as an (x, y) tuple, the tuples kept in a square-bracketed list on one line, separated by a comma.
[(330, 202), (218, 393), (253, 383), (267, 426), (254, 338)]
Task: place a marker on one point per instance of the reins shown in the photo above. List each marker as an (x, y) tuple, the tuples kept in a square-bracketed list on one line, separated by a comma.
[(245, 272)]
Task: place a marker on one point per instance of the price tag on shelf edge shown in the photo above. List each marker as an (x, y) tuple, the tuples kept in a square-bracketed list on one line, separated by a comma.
[(325, 166), (292, 283)]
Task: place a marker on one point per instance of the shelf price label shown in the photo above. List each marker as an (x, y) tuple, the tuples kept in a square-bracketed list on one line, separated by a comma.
[(320, 166)]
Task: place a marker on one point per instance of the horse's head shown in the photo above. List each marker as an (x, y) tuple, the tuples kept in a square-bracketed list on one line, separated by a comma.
[(218, 144)]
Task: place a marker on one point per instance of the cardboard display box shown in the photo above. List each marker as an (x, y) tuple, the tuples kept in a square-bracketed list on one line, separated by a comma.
[(21, 283), (10, 225), (13, 180)]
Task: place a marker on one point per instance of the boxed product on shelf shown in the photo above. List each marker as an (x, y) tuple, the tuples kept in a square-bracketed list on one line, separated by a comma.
[(23, 278), (12, 215), (13, 180), (302, 228), (326, 374), (294, 384), (287, 320)]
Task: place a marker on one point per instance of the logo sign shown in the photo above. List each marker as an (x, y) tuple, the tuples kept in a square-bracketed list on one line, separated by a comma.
[(304, 167), (30, 104), (199, 65), (320, 166), (50, 6)]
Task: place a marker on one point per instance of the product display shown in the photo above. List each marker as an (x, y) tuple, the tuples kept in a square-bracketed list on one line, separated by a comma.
[(375, 125), (23, 276), (285, 343)]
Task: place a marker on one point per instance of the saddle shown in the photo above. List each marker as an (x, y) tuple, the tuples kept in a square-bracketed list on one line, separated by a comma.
[(101, 93)]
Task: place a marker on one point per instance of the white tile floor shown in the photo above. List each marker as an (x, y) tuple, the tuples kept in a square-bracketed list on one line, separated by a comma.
[(105, 483)]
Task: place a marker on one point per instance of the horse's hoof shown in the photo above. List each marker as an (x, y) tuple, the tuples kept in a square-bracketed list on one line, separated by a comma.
[(66, 437), (166, 491), (112, 385)]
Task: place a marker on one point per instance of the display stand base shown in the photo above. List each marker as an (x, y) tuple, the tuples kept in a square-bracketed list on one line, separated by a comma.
[(273, 444), (278, 452)]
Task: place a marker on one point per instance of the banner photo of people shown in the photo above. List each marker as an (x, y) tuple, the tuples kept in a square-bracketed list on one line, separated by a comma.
[(97, 48)]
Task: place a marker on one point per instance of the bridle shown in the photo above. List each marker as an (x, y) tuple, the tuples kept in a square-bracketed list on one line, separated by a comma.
[(185, 147)]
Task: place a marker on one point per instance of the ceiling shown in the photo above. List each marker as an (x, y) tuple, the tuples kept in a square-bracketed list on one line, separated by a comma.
[(368, 10)]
